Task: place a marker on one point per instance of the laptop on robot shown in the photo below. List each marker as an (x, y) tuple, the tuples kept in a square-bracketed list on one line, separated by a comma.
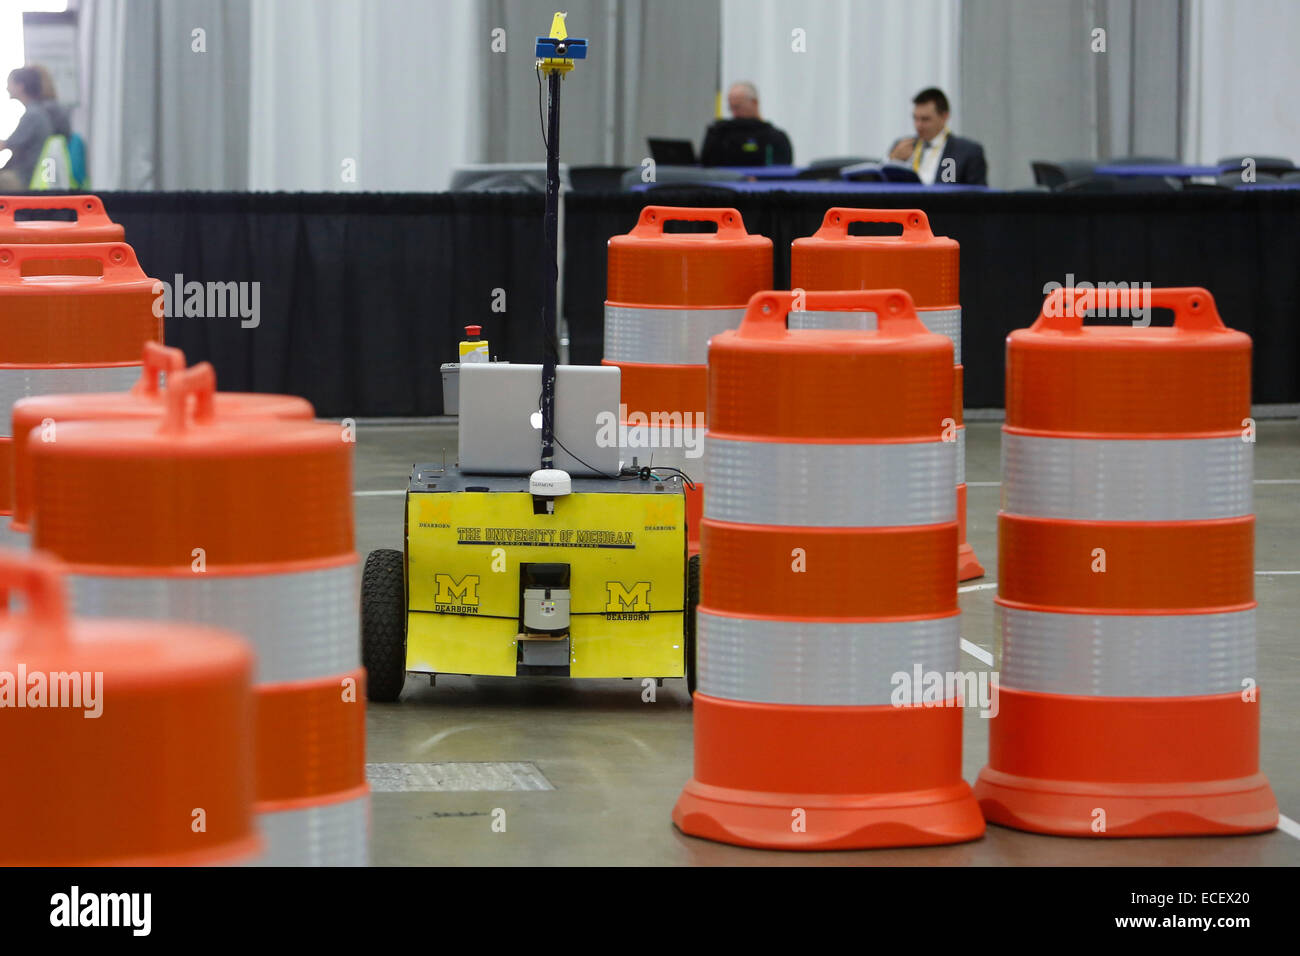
[(501, 420)]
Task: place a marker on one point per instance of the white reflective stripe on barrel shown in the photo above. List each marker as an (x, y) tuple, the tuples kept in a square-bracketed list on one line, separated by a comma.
[(333, 834), (853, 663), (9, 538), (820, 485), (1087, 479), (945, 322), (664, 336), (18, 382), (665, 446), (838, 319), (961, 454), (1126, 655), (302, 625)]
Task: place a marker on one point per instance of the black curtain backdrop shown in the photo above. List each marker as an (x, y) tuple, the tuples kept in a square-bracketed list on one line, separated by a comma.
[(1244, 247), (363, 296)]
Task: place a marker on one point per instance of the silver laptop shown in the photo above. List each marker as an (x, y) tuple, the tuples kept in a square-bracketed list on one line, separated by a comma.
[(501, 419)]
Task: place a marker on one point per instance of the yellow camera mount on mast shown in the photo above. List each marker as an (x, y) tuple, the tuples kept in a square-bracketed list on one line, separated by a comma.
[(556, 53)]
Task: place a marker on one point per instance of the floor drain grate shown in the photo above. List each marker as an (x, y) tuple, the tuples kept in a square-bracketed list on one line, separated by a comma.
[(454, 777)]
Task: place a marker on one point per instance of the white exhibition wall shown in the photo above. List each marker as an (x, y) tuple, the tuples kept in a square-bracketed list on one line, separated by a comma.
[(1243, 78)]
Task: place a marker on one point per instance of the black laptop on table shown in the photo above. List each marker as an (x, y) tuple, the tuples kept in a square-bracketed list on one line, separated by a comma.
[(672, 152)]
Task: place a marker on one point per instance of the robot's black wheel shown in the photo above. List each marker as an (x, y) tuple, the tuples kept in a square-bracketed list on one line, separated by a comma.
[(383, 625)]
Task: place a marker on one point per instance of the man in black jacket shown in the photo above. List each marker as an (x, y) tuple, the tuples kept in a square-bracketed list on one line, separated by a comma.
[(747, 139), (935, 154)]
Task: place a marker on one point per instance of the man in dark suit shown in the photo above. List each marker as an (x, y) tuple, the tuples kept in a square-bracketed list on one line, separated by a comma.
[(746, 139), (935, 154)]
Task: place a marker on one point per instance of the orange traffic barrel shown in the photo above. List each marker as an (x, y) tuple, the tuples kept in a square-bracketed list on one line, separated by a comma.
[(924, 265), (90, 225), (667, 295), (128, 742), (68, 332), (38, 418), (1126, 612), (827, 575), (246, 525)]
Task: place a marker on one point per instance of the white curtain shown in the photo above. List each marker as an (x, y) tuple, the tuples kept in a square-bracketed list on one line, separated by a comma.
[(342, 95), (651, 70), (392, 94), (1242, 80), (167, 88), (353, 94), (844, 85), (1070, 80), (121, 149)]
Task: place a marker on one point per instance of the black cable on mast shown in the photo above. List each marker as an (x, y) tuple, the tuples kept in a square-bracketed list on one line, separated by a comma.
[(550, 343)]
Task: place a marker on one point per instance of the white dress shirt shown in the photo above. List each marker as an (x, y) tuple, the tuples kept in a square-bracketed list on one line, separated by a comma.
[(927, 163)]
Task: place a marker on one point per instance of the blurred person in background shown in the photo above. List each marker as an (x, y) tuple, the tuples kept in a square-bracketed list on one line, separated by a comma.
[(57, 112), (29, 136), (934, 143), (746, 139)]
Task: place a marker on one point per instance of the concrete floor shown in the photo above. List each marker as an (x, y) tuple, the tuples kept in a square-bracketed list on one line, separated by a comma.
[(617, 764)]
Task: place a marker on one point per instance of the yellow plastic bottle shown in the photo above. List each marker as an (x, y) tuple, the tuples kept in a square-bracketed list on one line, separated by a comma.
[(473, 348)]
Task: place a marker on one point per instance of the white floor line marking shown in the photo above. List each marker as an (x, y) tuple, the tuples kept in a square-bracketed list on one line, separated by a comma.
[(1288, 826), (977, 652), (991, 585), (1258, 481), (459, 777), (376, 494)]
